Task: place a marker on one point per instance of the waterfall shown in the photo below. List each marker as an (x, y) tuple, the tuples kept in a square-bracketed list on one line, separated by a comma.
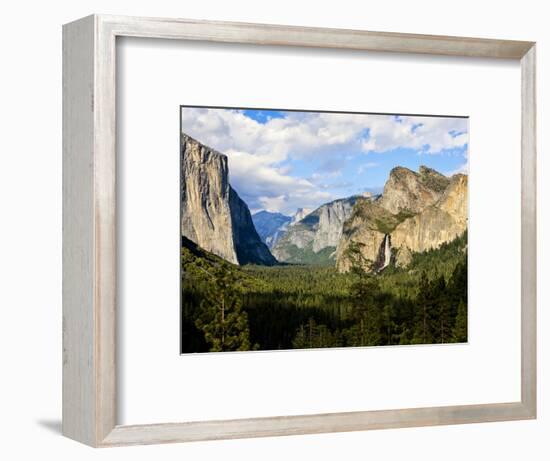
[(387, 251)]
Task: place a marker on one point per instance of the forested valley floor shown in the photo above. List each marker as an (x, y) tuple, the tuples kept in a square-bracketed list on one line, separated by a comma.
[(229, 308)]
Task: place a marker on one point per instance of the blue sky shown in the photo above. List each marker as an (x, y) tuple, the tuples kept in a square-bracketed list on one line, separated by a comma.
[(263, 116), (282, 160)]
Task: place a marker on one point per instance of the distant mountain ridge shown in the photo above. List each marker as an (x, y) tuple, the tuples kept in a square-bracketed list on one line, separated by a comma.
[(270, 226), (315, 237), (212, 214)]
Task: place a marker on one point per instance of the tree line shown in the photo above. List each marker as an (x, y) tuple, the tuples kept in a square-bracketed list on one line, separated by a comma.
[(225, 307)]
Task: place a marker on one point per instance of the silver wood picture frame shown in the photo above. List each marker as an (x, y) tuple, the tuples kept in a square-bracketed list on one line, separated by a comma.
[(89, 230)]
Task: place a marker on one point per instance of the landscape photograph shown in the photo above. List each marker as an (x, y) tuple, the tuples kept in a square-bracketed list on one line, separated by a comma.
[(308, 230)]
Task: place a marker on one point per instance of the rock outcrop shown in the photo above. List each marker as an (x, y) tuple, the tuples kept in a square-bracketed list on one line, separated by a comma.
[(300, 214), (364, 232), (439, 223), (314, 238), (212, 214), (416, 212), (455, 198), (409, 191)]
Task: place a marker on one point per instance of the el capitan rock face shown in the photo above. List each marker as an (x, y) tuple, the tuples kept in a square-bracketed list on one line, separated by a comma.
[(212, 213), (417, 212)]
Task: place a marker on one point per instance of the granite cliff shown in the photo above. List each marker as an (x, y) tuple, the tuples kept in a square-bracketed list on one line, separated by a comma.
[(416, 212), (314, 237), (212, 214)]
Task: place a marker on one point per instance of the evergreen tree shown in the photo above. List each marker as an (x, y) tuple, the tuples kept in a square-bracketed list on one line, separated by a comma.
[(312, 335), (405, 337), (458, 284), (300, 340), (460, 331), (424, 304), (363, 293), (389, 326), (443, 322), (221, 318), (294, 306), (458, 299)]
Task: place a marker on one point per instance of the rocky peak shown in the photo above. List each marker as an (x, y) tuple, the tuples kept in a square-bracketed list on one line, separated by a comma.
[(300, 214), (408, 191), (433, 179), (417, 212)]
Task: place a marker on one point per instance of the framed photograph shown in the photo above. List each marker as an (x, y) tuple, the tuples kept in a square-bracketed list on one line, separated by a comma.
[(274, 230), (335, 229)]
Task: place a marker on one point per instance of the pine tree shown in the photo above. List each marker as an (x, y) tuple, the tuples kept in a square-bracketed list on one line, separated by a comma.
[(443, 323), (300, 340), (364, 293), (221, 318), (312, 335), (424, 304), (458, 284), (460, 331), (389, 325)]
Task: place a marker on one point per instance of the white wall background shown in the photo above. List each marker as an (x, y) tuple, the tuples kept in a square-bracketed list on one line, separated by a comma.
[(30, 240), (148, 294)]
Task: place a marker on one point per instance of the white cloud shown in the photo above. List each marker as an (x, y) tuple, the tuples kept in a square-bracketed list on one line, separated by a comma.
[(306, 134), (259, 177), (259, 154), (289, 203), (264, 186), (427, 134)]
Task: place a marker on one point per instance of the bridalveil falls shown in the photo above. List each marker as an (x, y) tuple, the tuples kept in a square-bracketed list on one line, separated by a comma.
[(386, 244)]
